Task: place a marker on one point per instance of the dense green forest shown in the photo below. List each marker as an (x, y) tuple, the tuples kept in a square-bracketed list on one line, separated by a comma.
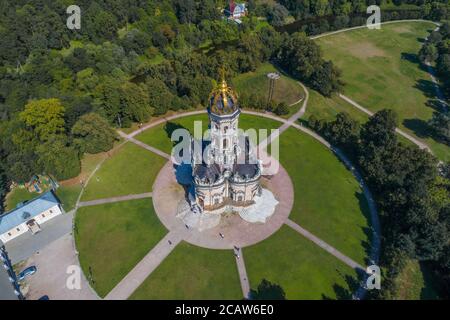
[(62, 93), (130, 61)]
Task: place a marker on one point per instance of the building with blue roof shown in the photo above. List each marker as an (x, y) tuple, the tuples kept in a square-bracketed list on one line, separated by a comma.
[(28, 216)]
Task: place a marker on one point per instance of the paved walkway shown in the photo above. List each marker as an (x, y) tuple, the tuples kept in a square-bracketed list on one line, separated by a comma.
[(165, 192), (365, 26), (290, 121), (325, 246), (145, 267), (115, 199), (143, 145), (420, 144), (245, 284), (167, 195)]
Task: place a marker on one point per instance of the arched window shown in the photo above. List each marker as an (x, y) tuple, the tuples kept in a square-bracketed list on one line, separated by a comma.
[(225, 143), (225, 130)]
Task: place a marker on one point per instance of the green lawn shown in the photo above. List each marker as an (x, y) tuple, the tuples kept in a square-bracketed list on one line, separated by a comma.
[(68, 195), (190, 272), (381, 70), (159, 136), (130, 170), (300, 267), (327, 108), (16, 196), (328, 200), (256, 82), (416, 283), (113, 238)]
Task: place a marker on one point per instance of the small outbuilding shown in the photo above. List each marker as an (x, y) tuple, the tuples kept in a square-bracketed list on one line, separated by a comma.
[(29, 216)]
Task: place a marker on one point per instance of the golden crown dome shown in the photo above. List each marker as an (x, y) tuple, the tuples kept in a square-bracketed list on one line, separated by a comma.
[(223, 98)]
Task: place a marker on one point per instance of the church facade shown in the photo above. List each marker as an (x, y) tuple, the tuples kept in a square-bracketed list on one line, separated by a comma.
[(229, 174)]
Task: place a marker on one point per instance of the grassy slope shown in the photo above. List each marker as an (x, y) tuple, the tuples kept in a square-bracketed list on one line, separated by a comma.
[(113, 238), (191, 272), (328, 200), (302, 269), (327, 108), (17, 196), (158, 136), (381, 70), (131, 170), (286, 89), (416, 283)]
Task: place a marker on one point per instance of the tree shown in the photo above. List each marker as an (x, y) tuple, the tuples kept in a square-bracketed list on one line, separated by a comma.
[(344, 131), (3, 188), (325, 79), (160, 97), (93, 134), (134, 102), (299, 55), (44, 117), (58, 158), (443, 66), (281, 109), (428, 53), (268, 291), (440, 124), (302, 58), (185, 10), (278, 15)]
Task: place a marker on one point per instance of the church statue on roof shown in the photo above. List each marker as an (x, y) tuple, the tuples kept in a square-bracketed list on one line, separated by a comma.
[(229, 174)]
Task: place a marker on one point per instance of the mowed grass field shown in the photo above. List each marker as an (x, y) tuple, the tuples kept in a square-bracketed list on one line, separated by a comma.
[(286, 89), (190, 272), (129, 170), (416, 283), (300, 267), (381, 70), (159, 136), (327, 108), (113, 238), (328, 199)]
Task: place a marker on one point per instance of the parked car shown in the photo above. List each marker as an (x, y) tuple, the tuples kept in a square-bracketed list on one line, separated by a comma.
[(27, 272)]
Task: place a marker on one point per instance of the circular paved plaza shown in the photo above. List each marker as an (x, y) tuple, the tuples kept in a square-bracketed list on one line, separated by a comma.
[(237, 232)]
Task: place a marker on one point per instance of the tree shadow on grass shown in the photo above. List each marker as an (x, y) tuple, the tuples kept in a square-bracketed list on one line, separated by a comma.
[(419, 127), (427, 87), (170, 127), (411, 57), (422, 129), (346, 292), (414, 58), (368, 231), (429, 291), (436, 105)]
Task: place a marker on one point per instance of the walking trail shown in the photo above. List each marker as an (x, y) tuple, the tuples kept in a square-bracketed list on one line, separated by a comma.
[(149, 263), (153, 259)]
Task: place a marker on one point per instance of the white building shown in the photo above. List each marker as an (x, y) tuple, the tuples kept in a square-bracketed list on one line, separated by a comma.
[(236, 11), (231, 175), (28, 217)]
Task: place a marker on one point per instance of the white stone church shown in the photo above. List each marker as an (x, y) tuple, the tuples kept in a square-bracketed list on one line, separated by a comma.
[(230, 176)]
